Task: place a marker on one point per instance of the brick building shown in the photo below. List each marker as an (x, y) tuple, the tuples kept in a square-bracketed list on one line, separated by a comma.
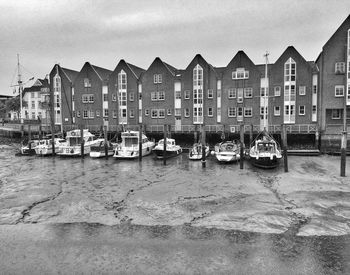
[(124, 93)]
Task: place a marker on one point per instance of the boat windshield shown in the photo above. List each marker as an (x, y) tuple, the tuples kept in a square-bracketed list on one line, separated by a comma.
[(228, 147), (130, 141), (73, 141), (266, 147)]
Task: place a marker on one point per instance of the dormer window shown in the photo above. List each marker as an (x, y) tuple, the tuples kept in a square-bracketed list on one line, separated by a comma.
[(87, 83), (340, 67), (122, 80), (289, 70), (157, 78), (240, 73), (198, 76)]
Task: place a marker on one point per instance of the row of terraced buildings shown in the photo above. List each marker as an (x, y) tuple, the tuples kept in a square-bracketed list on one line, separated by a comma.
[(308, 96)]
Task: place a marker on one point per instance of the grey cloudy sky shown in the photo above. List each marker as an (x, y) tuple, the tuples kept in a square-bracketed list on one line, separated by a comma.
[(45, 32)]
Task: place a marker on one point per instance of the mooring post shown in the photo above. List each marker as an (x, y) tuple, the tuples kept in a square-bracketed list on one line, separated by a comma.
[(22, 131), (29, 137), (106, 140), (203, 147), (140, 142), (40, 132), (241, 132), (164, 145), (343, 154), (285, 147), (82, 141)]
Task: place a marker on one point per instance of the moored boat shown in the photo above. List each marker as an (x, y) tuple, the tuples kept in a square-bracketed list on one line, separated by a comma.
[(72, 146), (172, 149), (45, 146), (98, 150), (29, 147), (264, 151), (196, 152), (227, 151), (129, 147)]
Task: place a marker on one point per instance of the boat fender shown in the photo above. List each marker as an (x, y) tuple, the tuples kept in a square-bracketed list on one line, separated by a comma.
[(271, 157), (257, 157)]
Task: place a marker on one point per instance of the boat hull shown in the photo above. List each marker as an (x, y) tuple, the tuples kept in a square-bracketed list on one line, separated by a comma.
[(132, 154), (43, 151), (265, 162), (198, 156), (100, 154), (169, 153), (226, 157), (73, 151)]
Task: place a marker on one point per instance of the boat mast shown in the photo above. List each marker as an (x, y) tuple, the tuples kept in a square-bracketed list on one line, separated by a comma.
[(20, 87), (265, 122)]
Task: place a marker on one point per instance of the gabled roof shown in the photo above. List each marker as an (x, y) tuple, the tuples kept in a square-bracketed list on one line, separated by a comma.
[(71, 74), (170, 68), (199, 58), (313, 66), (339, 28), (101, 72), (238, 57), (137, 71), (291, 49), (38, 84)]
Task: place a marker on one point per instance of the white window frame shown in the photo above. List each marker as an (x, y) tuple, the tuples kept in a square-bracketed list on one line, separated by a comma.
[(146, 112), (177, 94), (105, 112), (177, 112), (131, 96), (169, 112), (239, 114), (276, 110), (302, 110), (248, 92), (232, 93), (154, 113), (210, 112), (277, 90), (161, 113), (240, 73), (85, 114), (210, 93), (231, 112), (339, 68), (338, 88), (131, 113), (248, 110), (187, 94), (338, 112), (187, 112), (240, 95), (157, 78)]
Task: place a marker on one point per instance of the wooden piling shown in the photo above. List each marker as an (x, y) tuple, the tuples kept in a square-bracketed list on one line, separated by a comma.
[(106, 140), (241, 132), (285, 147), (164, 145), (251, 134), (29, 137), (203, 141), (140, 142), (343, 154), (82, 141)]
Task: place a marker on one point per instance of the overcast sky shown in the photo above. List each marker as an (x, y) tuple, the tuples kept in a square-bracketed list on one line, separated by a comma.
[(103, 32)]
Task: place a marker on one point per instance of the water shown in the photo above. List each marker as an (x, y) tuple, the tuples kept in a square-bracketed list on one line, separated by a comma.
[(101, 216)]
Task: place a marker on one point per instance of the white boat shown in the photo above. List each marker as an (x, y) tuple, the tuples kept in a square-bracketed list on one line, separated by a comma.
[(45, 146), (29, 147), (98, 150), (172, 149), (129, 147), (265, 151), (227, 151), (196, 151), (72, 146)]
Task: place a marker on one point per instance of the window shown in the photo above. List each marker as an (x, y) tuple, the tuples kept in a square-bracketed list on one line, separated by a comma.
[(198, 76), (78, 113), (132, 96), (187, 112), (87, 83), (161, 113), (91, 98), (161, 95), (87, 98), (154, 113), (314, 109), (114, 113), (314, 89), (122, 81), (169, 112), (123, 113), (154, 96), (302, 110), (33, 115), (33, 104), (132, 113), (187, 94), (277, 90), (210, 111), (263, 91), (340, 67), (336, 114), (32, 94), (85, 114), (177, 94), (114, 97), (210, 93), (157, 78), (91, 114), (276, 111), (231, 111), (339, 90), (146, 112), (239, 114), (177, 112), (248, 111), (289, 70), (248, 92), (232, 93), (105, 97), (105, 112), (97, 113), (240, 95), (240, 73), (39, 115), (302, 90)]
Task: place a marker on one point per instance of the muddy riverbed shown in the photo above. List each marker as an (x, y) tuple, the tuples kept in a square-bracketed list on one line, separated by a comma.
[(254, 219)]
